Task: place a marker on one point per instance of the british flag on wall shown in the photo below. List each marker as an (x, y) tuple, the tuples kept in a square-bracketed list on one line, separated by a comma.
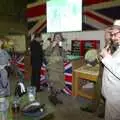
[(36, 16), (97, 14), (100, 15)]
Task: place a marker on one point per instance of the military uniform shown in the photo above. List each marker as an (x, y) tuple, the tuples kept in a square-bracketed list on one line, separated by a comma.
[(56, 66)]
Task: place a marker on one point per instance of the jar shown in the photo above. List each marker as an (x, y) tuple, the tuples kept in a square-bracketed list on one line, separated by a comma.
[(4, 104), (31, 91)]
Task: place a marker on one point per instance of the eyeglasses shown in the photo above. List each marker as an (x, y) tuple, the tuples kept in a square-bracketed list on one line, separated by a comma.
[(113, 31)]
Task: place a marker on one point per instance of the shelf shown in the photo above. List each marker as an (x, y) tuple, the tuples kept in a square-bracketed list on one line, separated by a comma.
[(87, 93)]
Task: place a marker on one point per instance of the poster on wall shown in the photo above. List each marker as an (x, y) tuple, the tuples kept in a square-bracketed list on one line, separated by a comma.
[(80, 47), (86, 45), (64, 15)]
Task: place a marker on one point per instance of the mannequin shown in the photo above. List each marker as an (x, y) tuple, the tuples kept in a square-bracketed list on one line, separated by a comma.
[(55, 62), (55, 67), (4, 62)]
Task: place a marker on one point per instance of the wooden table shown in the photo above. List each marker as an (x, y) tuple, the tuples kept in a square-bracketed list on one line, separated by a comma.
[(87, 73)]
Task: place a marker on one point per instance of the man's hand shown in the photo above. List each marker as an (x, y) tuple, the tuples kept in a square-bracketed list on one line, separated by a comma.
[(54, 43), (105, 52)]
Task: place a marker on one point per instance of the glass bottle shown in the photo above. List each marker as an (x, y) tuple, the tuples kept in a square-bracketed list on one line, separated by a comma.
[(4, 105), (16, 105)]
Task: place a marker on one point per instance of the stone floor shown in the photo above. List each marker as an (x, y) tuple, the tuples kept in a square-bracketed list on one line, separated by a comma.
[(69, 110)]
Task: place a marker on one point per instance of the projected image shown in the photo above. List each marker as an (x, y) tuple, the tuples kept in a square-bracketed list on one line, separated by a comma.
[(64, 15)]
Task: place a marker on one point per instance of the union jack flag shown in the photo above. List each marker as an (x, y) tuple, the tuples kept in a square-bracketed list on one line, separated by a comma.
[(97, 14), (100, 15), (68, 77), (18, 60), (43, 73), (36, 16)]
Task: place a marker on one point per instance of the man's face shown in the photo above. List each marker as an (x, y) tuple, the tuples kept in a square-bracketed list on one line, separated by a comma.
[(112, 34), (115, 36), (38, 39), (58, 38)]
